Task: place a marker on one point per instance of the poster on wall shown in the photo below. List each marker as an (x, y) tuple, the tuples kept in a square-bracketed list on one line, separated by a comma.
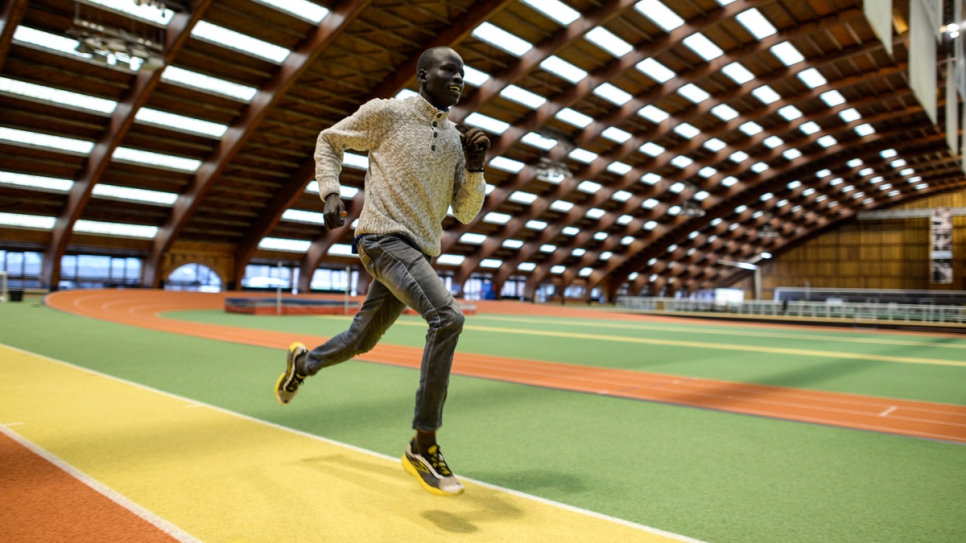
[(942, 246)]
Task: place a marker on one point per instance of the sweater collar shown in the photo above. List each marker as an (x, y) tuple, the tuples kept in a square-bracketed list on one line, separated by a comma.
[(426, 110)]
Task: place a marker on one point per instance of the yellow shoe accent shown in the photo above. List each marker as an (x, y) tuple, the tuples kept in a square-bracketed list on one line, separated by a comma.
[(414, 471)]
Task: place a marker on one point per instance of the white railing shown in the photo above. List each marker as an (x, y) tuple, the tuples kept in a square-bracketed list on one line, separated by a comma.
[(3, 287), (944, 314)]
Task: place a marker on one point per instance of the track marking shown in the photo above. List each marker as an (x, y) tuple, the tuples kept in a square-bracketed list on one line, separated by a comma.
[(107, 492), (219, 449), (887, 411), (8, 424), (721, 346)]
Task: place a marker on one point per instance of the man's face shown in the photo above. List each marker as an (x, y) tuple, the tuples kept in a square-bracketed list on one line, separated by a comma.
[(442, 81)]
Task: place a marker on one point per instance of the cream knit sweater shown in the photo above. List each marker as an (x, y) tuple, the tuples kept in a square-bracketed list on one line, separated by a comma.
[(416, 169)]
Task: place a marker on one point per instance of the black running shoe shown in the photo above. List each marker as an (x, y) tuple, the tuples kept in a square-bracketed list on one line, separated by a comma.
[(288, 383), (431, 471)]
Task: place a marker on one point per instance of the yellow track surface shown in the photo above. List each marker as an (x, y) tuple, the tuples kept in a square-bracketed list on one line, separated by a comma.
[(223, 477)]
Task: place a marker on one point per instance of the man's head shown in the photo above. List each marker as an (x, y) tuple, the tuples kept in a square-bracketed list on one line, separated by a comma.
[(440, 75)]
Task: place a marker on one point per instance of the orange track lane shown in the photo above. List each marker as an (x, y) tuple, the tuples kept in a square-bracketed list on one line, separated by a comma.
[(903, 417)]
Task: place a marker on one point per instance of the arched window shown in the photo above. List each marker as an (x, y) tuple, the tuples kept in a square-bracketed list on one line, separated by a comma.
[(194, 277)]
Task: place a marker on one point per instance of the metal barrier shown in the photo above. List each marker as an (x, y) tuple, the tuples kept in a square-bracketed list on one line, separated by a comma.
[(943, 314)]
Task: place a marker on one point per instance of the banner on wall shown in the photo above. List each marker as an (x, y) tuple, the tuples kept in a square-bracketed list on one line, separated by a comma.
[(942, 246), (923, 73), (879, 15)]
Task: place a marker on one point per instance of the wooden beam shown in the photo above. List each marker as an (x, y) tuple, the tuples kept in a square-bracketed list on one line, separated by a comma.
[(121, 121), (238, 133), (11, 14)]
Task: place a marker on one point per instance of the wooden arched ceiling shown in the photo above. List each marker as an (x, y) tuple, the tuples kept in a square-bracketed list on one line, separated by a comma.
[(367, 49)]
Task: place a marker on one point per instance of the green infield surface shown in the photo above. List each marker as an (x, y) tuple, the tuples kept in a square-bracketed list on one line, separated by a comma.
[(703, 474)]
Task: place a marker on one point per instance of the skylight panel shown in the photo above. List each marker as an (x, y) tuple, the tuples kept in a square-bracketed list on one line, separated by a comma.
[(650, 225), (655, 70), (827, 141), (650, 203), (686, 130), (18, 220), (358, 162), (563, 69), (613, 94), (496, 218), (766, 94), (850, 115), (738, 157), (854, 163), (240, 42), (865, 172), (36, 182), (583, 155), (558, 269), (536, 225), (616, 134), (573, 117), (756, 24), (450, 260), (174, 74), (556, 10), (751, 128), (501, 39), (595, 213), (694, 93), (179, 122), (810, 127), (512, 243), (589, 187), (651, 149), (490, 263), (894, 193), (650, 178), (547, 248), (660, 14), (724, 112), (561, 206), (677, 188), (864, 130), (302, 9), (523, 197), (115, 229), (46, 141), (607, 41), (835, 182), (705, 48), (653, 114), (405, 93), (627, 240), (714, 145), (791, 154), (701, 195), (621, 196), (137, 10), (773, 141), (472, 238), (759, 167), (707, 172), (578, 252), (486, 123), (523, 96), (346, 192), (681, 161), (57, 96), (738, 73), (136, 195), (790, 113), (619, 168), (888, 153), (570, 230), (474, 77), (673, 210), (833, 98), (506, 164), (787, 54), (46, 40), (527, 266), (297, 215), (812, 78), (126, 154), (607, 254), (538, 141)]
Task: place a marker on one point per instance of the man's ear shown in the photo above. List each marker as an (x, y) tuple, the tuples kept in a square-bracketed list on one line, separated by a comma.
[(421, 76)]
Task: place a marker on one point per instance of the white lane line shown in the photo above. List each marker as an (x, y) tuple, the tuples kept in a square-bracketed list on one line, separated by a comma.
[(887, 411), (108, 492), (11, 424), (571, 508)]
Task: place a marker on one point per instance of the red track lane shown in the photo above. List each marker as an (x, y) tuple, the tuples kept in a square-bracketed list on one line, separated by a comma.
[(902, 417)]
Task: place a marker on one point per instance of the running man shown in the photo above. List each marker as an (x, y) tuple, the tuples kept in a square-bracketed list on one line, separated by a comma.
[(420, 164)]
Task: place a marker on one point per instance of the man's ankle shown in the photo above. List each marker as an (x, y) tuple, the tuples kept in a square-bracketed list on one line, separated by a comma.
[(424, 440)]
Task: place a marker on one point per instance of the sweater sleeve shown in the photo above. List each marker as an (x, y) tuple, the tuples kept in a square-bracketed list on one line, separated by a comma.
[(359, 131), (469, 190)]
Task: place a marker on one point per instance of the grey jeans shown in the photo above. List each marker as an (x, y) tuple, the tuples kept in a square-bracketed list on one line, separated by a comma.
[(401, 276)]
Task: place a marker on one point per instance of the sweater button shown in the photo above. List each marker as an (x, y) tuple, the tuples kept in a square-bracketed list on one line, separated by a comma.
[(434, 134), (434, 148), (434, 123)]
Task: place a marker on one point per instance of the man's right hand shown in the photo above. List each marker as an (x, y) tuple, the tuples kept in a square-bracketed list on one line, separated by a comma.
[(334, 211)]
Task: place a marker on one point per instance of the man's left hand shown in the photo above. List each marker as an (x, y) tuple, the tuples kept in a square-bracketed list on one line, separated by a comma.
[(475, 145)]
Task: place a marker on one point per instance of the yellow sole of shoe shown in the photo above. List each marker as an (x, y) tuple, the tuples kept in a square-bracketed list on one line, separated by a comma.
[(278, 384), (407, 465)]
